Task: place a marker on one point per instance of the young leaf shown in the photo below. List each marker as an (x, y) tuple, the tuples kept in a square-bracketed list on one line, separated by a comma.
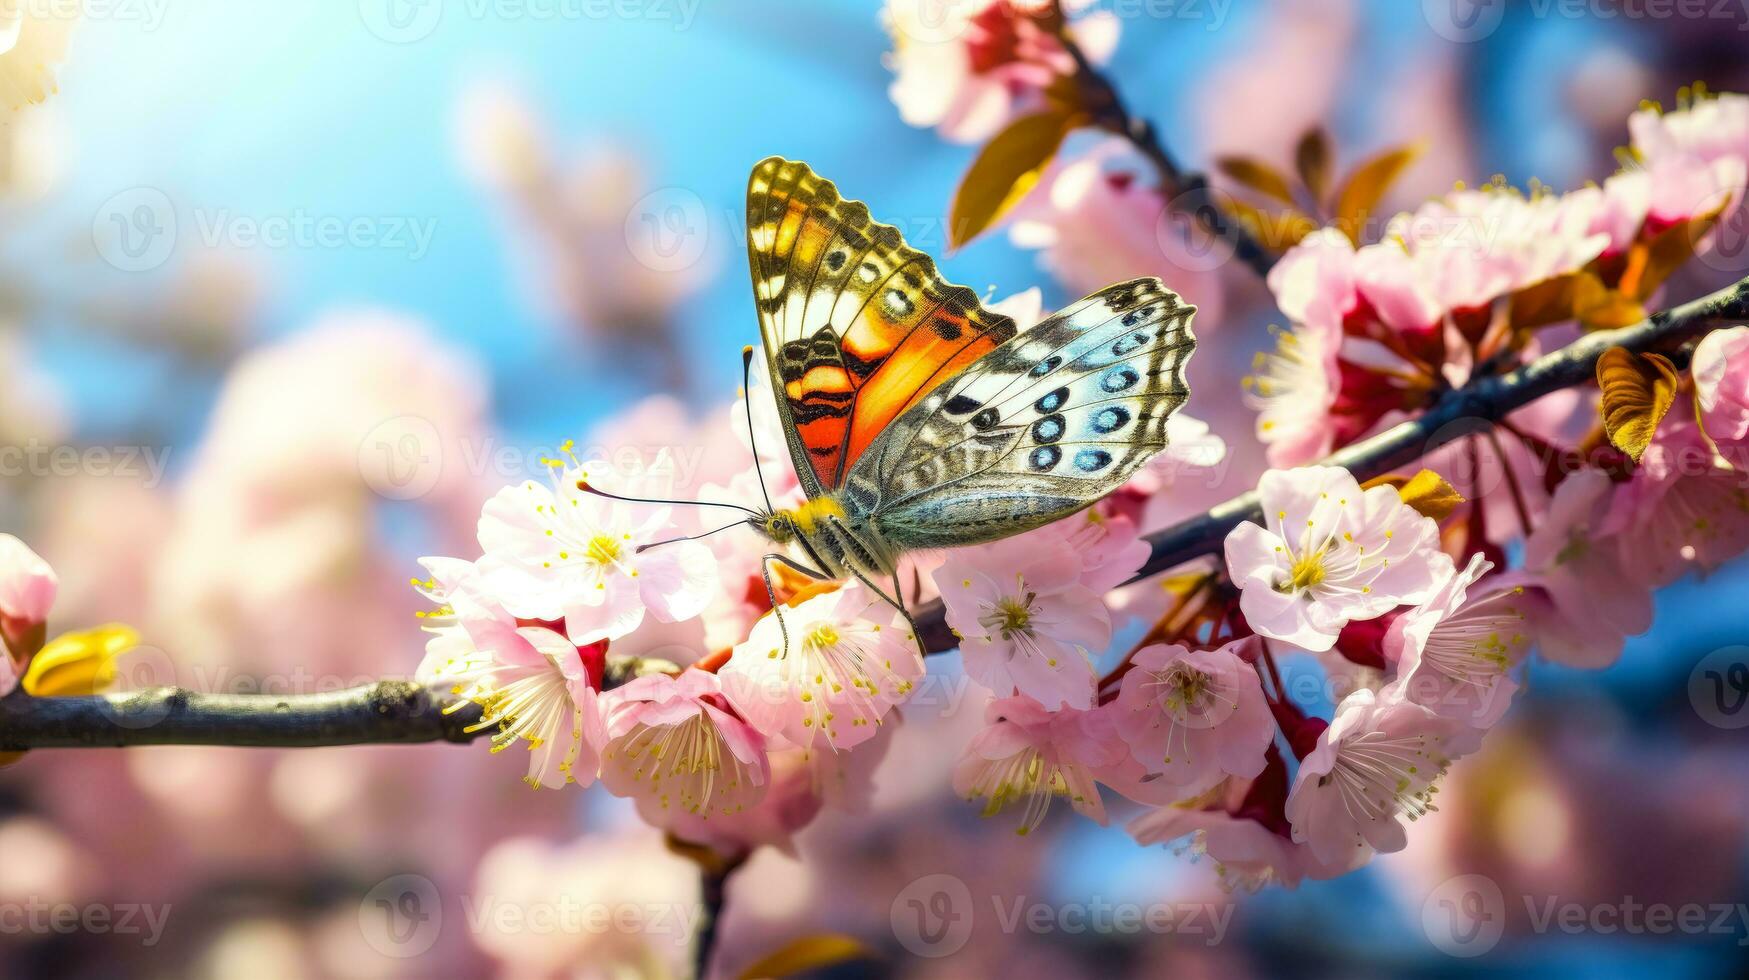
[(1277, 232), (1637, 390), (1005, 170), (808, 953), (1312, 160), (1600, 308), (1257, 175), (1426, 491), (1366, 187)]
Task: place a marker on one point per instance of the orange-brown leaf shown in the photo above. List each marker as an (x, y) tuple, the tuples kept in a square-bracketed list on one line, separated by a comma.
[(1005, 170), (1275, 231), (1367, 186), (1312, 160), (1426, 491), (1257, 175), (1638, 390), (808, 953)]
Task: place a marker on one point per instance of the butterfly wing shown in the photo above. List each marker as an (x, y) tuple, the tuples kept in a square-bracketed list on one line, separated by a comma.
[(858, 326), (1039, 428)]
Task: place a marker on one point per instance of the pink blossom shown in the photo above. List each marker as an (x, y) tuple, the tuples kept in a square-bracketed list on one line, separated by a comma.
[(850, 659), (1314, 282), (1110, 548), (1721, 388), (1330, 553), (616, 878), (564, 553), (530, 682), (1194, 716), (1378, 762), (1452, 653), (1708, 129), (27, 590), (968, 68), (1592, 604), (1294, 390), (1032, 755), (1241, 827), (1684, 508), (1025, 619), (1473, 246), (1094, 222), (676, 749)]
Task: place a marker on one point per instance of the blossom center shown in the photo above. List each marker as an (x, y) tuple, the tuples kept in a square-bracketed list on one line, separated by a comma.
[(1306, 571), (823, 636), (603, 549), (1010, 616)]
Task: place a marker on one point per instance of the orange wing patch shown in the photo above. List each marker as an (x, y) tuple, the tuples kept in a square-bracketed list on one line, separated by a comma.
[(858, 325)]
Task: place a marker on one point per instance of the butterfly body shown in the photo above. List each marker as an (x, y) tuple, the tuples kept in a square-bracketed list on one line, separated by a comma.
[(916, 418)]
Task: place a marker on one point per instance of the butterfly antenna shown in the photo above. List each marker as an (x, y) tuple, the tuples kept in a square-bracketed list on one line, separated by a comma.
[(752, 434), (691, 537), (585, 486)]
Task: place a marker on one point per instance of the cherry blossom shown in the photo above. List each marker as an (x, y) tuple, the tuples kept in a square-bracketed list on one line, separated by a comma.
[(1682, 509), (1030, 755), (1025, 619), (27, 590), (1194, 716), (1474, 245), (532, 683), (968, 67), (1378, 763), (677, 750), (850, 659), (1452, 653), (1239, 825), (1585, 603), (1294, 390), (563, 553), (1330, 553), (1095, 222), (1709, 128), (1721, 390)]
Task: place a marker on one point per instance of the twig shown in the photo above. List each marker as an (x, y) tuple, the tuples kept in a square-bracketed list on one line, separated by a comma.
[(400, 712), (1187, 192), (714, 895)]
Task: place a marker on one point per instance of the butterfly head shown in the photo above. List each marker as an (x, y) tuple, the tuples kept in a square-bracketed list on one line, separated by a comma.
[(784, 526)]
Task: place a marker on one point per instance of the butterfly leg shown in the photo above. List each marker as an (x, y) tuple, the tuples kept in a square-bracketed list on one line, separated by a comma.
[(893, 600), (777, 607)]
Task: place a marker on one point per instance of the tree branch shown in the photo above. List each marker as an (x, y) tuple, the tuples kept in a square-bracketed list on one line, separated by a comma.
[(400, 712), (1186, 192)]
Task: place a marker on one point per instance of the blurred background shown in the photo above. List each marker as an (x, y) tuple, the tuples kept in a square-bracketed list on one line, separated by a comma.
[(286, 290)]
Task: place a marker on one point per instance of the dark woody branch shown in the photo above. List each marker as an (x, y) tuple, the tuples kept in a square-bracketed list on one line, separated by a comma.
[(403, 712)]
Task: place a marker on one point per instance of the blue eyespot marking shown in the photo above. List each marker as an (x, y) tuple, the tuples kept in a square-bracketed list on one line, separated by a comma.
[(1052, 401), (1119, 378), (1129, 344), (1110, 419), (1048, 429), (1045, 457), (1091, 460), (1046, 366)]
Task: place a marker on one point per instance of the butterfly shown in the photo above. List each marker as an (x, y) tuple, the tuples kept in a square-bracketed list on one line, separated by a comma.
[(918, 419)]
